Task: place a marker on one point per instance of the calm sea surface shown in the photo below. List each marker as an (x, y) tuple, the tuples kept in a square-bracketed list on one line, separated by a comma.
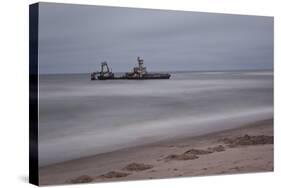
[(80, 117)]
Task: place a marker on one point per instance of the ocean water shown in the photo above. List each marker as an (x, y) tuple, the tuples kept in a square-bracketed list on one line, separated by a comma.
[(79, 117)]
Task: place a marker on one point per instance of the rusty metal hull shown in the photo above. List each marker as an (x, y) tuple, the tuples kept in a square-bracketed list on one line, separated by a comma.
[(149, 76)]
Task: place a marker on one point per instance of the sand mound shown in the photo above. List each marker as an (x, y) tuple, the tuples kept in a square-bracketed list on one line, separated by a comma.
[(218, 148), (114, 174), (82, 179), (198, 152), (248, 140), (182, 157), (137, 167)]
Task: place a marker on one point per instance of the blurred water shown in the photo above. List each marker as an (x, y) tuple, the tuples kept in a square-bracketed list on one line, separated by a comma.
[(79, 117)]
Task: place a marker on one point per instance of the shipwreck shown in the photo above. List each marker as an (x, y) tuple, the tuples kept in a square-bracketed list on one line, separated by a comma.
[(138, 73)]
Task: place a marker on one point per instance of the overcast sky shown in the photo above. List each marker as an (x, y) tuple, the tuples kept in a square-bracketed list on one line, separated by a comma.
[(76, 38)]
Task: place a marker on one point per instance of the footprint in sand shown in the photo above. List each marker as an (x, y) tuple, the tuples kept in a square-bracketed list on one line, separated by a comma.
[(183, 156), (137, 167), (247, 140), (113, 174), (210, 150), (198, 152), (88, 179), (81, 179), (193, 153)]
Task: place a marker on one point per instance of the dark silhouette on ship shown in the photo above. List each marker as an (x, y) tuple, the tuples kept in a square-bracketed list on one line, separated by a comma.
[(138, 73)]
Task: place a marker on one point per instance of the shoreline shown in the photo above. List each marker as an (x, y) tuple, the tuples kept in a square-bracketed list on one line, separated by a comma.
[(208, 154)]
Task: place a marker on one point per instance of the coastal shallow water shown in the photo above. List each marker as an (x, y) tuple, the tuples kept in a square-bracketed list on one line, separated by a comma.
[(79, 117)]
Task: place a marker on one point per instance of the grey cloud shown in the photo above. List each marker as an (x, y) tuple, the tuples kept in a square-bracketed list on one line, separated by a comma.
[(75, 38)]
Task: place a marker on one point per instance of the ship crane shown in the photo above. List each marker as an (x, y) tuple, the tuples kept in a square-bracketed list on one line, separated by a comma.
[(105, 73)]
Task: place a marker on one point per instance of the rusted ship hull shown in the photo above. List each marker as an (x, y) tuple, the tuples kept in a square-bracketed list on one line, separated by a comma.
[(150, 76), (127, 77)]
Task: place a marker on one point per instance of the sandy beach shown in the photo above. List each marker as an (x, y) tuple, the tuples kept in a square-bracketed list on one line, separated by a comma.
[(241, 150)]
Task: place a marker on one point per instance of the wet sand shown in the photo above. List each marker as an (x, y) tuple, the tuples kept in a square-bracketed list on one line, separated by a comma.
[(241, 150)]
